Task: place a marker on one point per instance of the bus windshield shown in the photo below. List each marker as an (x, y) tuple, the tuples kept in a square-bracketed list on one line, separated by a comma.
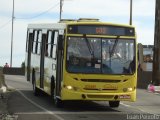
[(100, 55)]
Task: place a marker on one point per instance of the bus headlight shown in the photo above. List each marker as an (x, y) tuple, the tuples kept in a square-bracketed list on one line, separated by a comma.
[(130, 89), (127, 89), (69, 87)]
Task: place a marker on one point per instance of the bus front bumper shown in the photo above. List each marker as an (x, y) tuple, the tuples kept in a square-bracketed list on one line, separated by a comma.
[(72, 95)]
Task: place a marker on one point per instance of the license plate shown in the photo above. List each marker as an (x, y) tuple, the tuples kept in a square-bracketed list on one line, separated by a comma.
[(125, 97)]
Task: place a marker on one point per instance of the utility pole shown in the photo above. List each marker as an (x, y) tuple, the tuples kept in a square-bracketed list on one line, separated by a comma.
[(130, 21), (12, 35), (156, 50), (61, 4)]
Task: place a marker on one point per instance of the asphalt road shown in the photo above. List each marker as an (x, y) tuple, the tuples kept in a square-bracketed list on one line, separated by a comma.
[(23, 105)]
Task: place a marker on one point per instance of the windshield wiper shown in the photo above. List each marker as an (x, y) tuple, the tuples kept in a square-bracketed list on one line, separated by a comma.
[(114, 46), (89, 46)]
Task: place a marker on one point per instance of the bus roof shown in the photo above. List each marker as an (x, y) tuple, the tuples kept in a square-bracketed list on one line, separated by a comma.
[(47, 25), (63, 24)]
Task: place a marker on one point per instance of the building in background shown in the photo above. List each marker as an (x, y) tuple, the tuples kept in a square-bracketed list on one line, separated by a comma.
[(156, 55), (147, 57)]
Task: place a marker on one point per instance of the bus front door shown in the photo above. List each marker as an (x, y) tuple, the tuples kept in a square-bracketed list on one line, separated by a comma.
[(59, 71), (42, 58)]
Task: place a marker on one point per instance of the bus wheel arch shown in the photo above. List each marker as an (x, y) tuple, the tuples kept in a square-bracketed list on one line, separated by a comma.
[(57, 101)]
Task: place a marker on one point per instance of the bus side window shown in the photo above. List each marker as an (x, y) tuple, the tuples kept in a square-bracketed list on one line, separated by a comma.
[(27, 40), (55, 44), (34, 42), (30, 40), (52, 42), (48, 43), (39, 42)]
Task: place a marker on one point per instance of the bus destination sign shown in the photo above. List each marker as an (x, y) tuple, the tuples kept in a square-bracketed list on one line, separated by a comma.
[(101, 30)]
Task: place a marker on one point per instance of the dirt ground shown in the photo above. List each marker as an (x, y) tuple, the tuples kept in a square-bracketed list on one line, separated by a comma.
[(4, 96), (3, 103)]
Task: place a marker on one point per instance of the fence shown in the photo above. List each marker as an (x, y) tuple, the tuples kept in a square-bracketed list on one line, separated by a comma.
[(14, 71)]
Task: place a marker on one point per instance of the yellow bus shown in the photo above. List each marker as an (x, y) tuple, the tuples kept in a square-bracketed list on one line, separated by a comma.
[(82, 59)]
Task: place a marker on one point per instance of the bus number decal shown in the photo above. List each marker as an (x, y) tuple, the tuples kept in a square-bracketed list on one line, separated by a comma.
[(109, 86), (90, 86), (100, 30)]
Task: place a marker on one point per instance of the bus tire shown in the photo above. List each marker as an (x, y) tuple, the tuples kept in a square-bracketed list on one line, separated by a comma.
[(52, 87), (58, 102), (35, 89), (114, 103)]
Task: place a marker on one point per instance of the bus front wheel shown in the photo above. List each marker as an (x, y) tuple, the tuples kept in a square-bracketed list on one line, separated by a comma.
[(114, 103), (58, 102)]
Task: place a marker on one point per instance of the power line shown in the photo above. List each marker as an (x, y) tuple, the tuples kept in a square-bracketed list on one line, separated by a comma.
[(39, 13), (5, 24)]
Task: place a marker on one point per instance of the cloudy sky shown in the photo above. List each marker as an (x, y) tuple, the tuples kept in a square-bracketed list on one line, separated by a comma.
[(42, 11)]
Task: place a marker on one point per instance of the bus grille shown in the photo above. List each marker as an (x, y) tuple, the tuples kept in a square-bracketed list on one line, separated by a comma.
[(100, 80), (100, 89), (100, 96)]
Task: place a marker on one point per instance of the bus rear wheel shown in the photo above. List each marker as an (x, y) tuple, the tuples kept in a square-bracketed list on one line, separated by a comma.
[(114, 103)]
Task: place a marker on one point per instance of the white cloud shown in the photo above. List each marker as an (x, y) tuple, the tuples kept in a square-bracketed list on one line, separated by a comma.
[(145, 37), (109, 7), (97, 8), (27, 6), (144, 7)]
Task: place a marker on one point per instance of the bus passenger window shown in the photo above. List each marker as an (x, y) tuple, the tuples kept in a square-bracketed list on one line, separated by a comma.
[(54, 51), (55, 37), (53, 44), (30, 42), (48, 44), (36, 47), (27, 41), (34, 42), (39, 42)]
